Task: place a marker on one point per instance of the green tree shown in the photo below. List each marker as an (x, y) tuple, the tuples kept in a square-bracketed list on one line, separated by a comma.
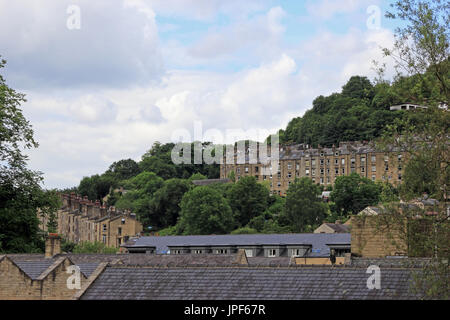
[(205, 211), (93, 247), (124, 169), (353, 193), (20, 192), (304, 208), (422, 41), (165, 204), (247, 199)]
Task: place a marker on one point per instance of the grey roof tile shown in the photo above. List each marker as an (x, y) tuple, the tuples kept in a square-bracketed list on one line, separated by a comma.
[(246, 283), (318, 241), (34, 268)]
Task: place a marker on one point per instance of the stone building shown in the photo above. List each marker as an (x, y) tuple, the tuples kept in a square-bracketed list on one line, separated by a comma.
[(80, 220), (322, 165)]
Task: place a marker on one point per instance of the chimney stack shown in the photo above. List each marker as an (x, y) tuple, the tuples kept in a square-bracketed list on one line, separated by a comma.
[(52, 245)]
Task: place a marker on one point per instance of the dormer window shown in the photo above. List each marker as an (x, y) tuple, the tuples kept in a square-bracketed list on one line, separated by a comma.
[(272, 253)]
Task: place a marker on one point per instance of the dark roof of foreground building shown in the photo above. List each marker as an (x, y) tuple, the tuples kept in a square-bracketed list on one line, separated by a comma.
[(339, 228), (246, 283), (318, 241), (34, 268)]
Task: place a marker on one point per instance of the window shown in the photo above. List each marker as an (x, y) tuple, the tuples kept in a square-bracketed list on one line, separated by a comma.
[(328, 171), (296, 252), (264, 178), (238, 170), (297, 167), (336, 171), (249, 253), (256, 169), (289, 166), (321, 162), (256, 177), (289, 175), (363, 161), (374, 159), (197, 251), (343, 171), (313, 162), (313, 172), (363, 169), (321, 154), (386, 168), (123, 221), (246, 169), (374, 168), (343, 161), (279, 175), (321, 180), (399, 177), (279, 184), (272, 253), (104, 227), (352, 161), (307, 172), (104, 238), (119, 231), (336, 161), (336, 153), (328, 162), (322, 171), (373, 177)]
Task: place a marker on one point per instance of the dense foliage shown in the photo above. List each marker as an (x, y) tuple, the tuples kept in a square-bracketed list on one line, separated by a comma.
[(20, 191)]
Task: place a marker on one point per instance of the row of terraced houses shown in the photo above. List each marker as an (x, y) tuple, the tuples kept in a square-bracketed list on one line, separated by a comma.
[(322, 165)]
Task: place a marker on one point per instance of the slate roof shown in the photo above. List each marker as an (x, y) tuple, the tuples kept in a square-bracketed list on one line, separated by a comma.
[(245, 283), (34, 268), (87, 268), (339, 228), (318, 241)]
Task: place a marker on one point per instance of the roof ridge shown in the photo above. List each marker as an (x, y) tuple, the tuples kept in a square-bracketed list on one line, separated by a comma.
[(52, 267)]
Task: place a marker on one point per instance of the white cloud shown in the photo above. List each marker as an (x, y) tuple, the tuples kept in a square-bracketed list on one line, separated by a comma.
[(325, 9), (259, 34), (107, 95), (115, 46)]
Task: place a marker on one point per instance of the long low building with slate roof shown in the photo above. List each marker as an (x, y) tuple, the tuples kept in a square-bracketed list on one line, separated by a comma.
[(267, 245), (248, 283)]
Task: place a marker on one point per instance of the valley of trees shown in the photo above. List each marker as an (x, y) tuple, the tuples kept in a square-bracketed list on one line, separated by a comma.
[(165, 200)]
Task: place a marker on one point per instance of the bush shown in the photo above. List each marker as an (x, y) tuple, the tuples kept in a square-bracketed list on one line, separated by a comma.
[(93, 247)]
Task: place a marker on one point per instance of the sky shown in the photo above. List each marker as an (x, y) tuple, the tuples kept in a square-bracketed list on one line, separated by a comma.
[(105, 79)]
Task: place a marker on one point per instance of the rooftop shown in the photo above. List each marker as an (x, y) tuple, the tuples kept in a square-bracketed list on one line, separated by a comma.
[(246, 283), (319, 242)]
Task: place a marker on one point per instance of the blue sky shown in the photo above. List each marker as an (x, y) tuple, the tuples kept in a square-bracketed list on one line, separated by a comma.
[(140, 71)]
